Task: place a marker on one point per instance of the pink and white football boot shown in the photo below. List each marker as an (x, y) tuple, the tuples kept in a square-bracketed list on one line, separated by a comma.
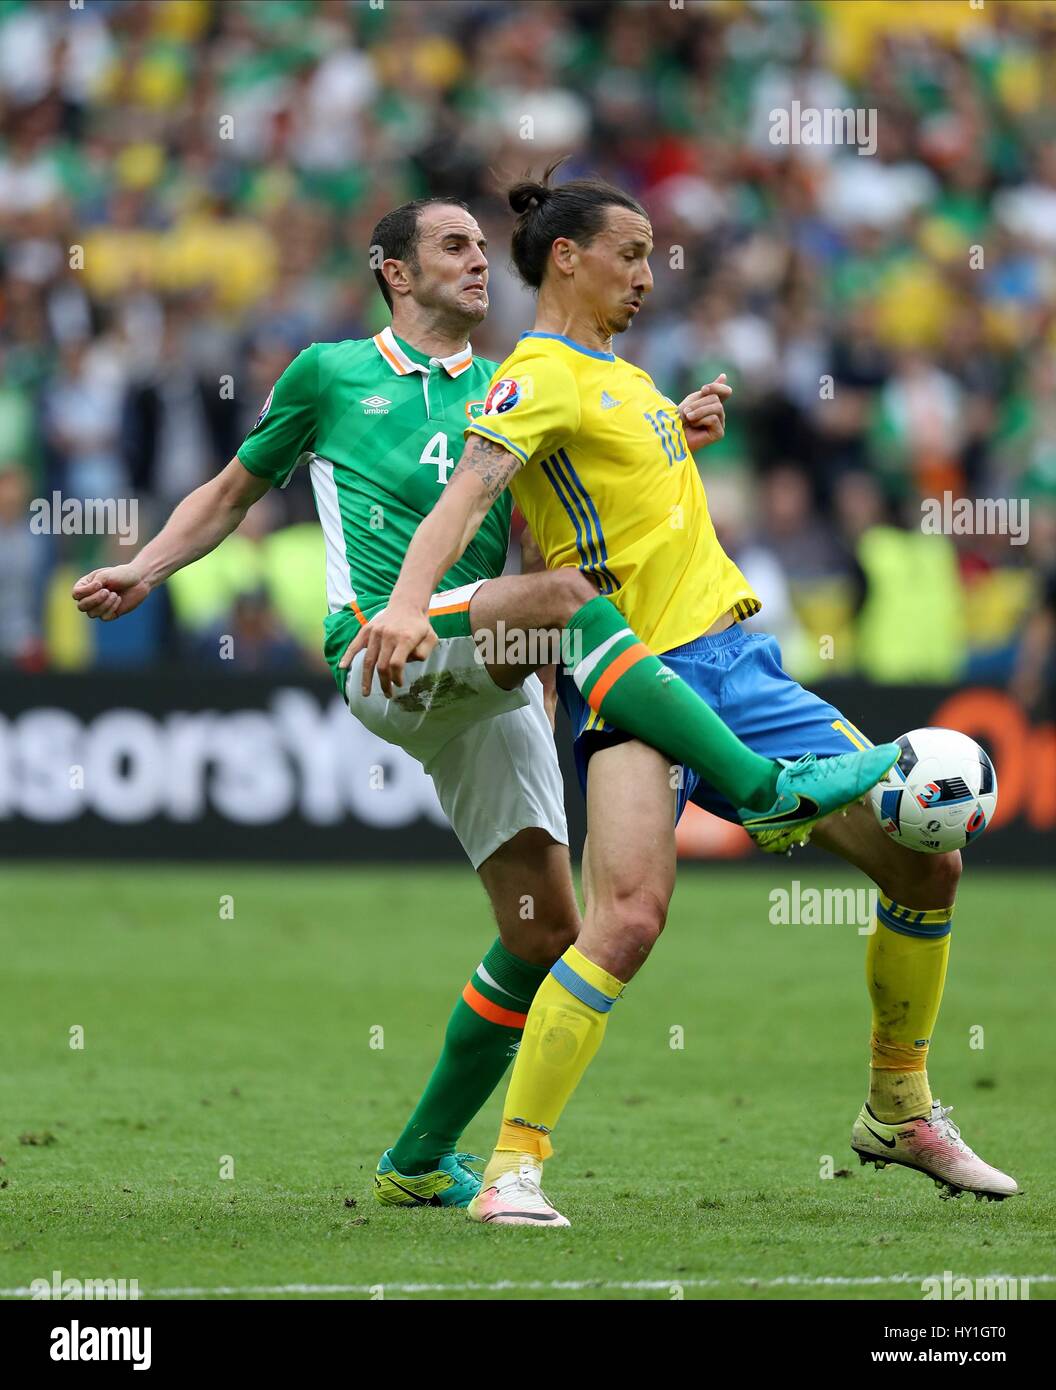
[(933, 1145), (515, 1198)]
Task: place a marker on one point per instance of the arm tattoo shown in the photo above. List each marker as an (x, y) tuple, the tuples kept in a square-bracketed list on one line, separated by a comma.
[(493, 464)]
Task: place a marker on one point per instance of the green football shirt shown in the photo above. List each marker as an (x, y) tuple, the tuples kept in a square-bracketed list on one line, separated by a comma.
[(379, 426)]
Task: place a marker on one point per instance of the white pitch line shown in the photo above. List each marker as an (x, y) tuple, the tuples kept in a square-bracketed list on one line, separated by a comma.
[(561, 1285)]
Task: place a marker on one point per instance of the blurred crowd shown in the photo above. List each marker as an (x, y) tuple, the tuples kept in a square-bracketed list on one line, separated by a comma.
[(187, 189)]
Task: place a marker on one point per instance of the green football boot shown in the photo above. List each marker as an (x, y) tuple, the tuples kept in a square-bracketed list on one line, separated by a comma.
[(453, 1184), (812, 788)]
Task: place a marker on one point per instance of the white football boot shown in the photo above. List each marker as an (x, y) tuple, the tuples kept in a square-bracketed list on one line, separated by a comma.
[(933, 1145), (516, 1199)]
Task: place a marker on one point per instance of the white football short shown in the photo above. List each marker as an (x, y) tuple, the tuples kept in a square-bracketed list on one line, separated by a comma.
[(490, 752)]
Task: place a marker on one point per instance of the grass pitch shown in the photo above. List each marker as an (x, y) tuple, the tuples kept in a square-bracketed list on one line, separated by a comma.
[(251, 1044)]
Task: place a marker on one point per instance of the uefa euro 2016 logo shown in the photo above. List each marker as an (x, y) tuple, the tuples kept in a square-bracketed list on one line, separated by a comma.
[(503, 396), (927, 796)]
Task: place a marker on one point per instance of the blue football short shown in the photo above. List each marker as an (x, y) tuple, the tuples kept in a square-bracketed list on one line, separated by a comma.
[(739, 675)]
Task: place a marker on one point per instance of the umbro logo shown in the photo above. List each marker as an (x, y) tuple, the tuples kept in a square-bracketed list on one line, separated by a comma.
[(376, 405), (607, 402)]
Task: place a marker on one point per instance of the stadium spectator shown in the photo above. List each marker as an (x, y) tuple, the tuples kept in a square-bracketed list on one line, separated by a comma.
[(19, 604), (80, 409), (186, 192), (179, 426)]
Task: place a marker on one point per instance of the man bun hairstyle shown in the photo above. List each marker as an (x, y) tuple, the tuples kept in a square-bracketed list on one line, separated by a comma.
[(527, 195), (396, 237), (544, 212)]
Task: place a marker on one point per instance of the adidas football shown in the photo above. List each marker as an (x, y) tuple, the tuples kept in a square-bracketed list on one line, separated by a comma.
[(940, 795)]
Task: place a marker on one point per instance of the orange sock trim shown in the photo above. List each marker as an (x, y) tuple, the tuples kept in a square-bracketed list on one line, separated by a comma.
[(494, 1013), (631, 657)]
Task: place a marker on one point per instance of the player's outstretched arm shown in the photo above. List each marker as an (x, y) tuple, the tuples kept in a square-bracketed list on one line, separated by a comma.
[(403, 631), (197, 525)]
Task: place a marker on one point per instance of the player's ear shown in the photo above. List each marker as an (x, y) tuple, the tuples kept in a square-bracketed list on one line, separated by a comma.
[(565, 255), (396, 276)]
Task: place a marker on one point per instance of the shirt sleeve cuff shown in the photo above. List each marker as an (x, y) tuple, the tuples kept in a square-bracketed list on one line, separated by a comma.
[(515, 449)]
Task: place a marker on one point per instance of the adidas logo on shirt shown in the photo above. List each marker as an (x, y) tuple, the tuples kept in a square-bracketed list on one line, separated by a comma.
[(376, 405), (607, 401)]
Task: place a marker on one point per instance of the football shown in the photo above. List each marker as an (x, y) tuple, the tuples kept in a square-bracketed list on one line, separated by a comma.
[(940, 795)]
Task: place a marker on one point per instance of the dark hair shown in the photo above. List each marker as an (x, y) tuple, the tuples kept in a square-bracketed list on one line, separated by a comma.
[(396, 235), (575, 210)]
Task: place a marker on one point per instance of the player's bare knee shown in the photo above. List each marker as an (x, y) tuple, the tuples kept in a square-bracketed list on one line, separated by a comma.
[(548, 942), (561, 934), (927, 880), (946, 874), (540, 930), (536, 947), (572, 589), (638, 918)]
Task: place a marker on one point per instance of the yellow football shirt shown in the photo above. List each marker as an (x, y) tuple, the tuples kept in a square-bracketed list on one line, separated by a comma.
[(608, 484)]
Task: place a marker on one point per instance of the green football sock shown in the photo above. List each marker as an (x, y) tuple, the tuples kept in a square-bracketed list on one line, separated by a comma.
[(481, 1039), (621, 679)]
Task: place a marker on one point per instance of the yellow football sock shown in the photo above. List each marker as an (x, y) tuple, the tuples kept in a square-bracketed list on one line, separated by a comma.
[(563, 1031), (905, 966)]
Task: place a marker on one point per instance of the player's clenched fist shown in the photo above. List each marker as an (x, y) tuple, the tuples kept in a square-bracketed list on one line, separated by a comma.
[(110, 593), (400, 634), (703, 413)]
